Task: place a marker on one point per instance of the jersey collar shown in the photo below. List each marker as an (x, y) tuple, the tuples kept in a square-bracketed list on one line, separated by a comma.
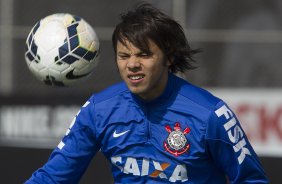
[(164, 97)]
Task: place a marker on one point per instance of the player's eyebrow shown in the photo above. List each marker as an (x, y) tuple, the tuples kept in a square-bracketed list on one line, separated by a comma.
[(121, 52), (139, 53)]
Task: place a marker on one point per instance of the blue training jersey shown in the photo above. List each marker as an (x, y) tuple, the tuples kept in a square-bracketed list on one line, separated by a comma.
[(184, 136)]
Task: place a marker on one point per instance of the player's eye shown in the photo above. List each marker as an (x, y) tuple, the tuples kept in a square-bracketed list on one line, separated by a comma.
[(123, 56), (145, 54)]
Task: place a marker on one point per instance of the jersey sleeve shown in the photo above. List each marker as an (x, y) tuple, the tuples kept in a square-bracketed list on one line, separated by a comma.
[(230, 149), (71, 157)]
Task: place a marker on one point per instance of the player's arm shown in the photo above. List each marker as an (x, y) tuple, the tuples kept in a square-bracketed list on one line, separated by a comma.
[(71, 157), (230, 149)]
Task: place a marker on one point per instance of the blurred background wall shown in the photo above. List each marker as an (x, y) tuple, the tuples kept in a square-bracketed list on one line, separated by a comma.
[(241, 63)]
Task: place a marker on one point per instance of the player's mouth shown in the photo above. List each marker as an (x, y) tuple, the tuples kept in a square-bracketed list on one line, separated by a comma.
[(136, 78)]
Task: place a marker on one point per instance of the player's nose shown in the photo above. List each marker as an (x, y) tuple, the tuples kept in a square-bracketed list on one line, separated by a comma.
[(133, 62)]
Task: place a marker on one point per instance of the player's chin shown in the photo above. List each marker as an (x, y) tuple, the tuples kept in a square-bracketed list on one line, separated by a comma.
[(137, 90)]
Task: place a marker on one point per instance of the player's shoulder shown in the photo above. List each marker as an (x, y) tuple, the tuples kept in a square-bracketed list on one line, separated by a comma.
[(110, 92), (198, 95)]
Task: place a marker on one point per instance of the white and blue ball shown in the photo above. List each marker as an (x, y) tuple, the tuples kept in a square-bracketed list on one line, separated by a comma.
[(62, 49)]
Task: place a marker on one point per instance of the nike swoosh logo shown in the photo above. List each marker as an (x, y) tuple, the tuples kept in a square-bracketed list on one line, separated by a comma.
[(115, 135), (70, 75)]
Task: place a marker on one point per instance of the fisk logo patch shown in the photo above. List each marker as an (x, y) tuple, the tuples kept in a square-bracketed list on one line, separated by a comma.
[(235, 133)]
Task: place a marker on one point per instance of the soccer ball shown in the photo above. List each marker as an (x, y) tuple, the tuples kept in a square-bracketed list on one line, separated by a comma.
[(62, 49)]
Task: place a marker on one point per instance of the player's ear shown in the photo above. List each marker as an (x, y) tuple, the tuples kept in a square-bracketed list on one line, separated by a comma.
[(169, 61)]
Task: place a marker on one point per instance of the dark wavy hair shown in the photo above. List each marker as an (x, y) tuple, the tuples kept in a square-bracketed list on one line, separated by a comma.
[(145, 23)]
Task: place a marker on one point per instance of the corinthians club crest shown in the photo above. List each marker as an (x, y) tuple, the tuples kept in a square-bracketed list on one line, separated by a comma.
[(176, 143)]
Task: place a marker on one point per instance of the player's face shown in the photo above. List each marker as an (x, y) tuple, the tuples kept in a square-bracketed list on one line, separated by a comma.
[(144, 73)]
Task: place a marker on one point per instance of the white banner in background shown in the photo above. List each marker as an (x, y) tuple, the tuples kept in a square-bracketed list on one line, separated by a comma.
[(34, 126), (260, 114), (259, 111)]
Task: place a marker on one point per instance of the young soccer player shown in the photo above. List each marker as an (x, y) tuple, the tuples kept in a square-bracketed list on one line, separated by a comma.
[(154, 127)]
